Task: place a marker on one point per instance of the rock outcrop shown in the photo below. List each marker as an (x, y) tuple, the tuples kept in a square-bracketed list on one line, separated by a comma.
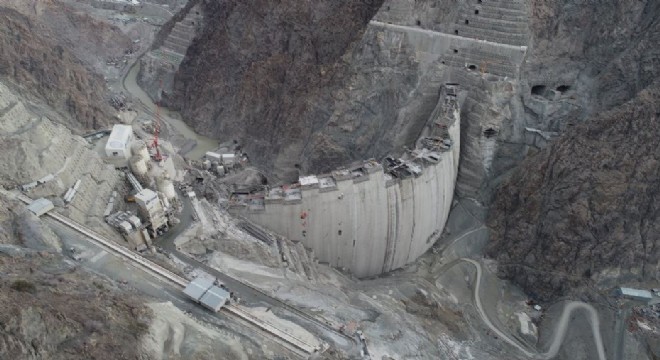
[(263, 72), (581, 212), (51, 310), (39, 59), (254, 74), (584, 211)]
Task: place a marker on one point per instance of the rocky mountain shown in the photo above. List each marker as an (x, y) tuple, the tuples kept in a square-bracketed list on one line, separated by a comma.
[(264, 72), (307, 92), (584, 211), (50, 309), (581, 212), (40, 58)]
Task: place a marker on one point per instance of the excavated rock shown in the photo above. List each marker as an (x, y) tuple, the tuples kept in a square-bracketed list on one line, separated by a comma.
[(50, 310), (259, 72), (580, 212), (584, 211), (39, 60)]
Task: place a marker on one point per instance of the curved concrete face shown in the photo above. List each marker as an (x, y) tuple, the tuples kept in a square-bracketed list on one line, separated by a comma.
[(370, 218)]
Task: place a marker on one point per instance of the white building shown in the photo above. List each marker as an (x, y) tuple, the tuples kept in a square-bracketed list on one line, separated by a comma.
[(119, 142), (197, 288), (214, 156), (40, 206), (228, 159), (643, 296), (215, 298), (151, 209)]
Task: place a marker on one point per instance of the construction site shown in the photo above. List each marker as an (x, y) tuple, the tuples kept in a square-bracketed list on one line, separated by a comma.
[(381, 257), (369, 218)]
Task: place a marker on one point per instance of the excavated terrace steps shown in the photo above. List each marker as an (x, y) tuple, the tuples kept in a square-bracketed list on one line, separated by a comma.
[(174, 47), (492, 35), (398, 12), (490, 8), (503, 4), (493, 31), (169, 54), (19, 116), (498, 21), (498, 25), (492, 14), (183, 32), (92, 189), (178, 43)]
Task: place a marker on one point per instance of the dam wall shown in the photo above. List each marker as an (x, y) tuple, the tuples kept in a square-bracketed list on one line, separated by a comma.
[(371, 217)]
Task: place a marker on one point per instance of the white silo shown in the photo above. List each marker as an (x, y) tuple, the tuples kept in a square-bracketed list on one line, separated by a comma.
[(140, 149), (166, 187), (139, 167)]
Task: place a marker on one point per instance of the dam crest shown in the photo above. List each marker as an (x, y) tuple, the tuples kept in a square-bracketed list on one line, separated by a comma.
[(369, 218)]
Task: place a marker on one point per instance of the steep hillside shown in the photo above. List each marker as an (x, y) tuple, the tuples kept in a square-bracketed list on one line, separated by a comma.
[(49, 309), (585, 211), (38, 58), (259, 69), (581, 211)]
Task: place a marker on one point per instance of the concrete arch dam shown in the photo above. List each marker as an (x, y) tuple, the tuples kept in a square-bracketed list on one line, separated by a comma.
[(369, 218)]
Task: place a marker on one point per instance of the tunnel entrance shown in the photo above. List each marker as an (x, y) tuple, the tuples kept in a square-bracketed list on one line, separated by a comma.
[(490, 132), (538, 90), (472, 67), (563, 88)]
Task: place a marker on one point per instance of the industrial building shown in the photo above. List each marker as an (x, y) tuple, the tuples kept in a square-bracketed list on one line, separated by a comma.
[(40, 206), (119, 142), (152, 211), (643, 296), (204, 291), (370, 218), (196, 288), (130, 227), (215, 298)]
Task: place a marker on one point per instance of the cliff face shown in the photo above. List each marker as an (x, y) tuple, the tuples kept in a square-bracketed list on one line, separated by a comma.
[(41, 63), (587, 57), (259, 70), (264, 76), (582, 211), (585, 210)]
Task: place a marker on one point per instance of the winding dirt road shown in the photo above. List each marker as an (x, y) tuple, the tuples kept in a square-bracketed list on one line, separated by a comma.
[(560, 331)]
